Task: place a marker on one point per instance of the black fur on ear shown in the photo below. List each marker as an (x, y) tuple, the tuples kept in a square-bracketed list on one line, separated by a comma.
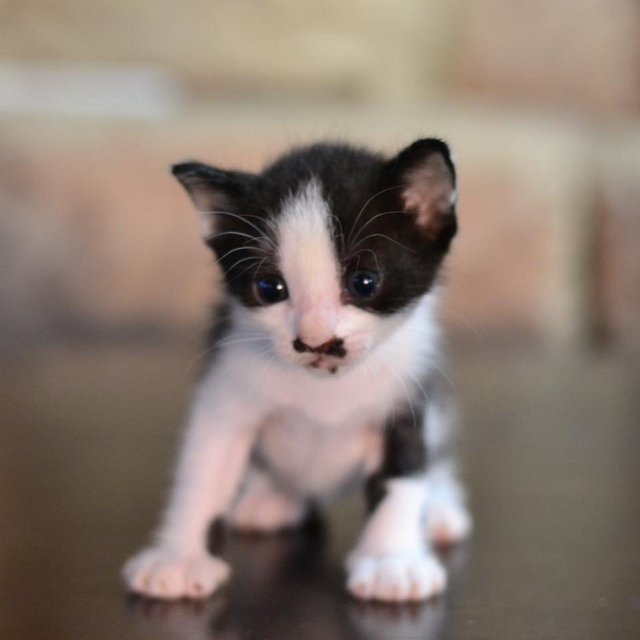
[(210, 189), (427, 176)]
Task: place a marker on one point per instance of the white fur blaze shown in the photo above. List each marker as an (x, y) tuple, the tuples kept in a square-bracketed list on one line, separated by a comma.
[(309, 264)]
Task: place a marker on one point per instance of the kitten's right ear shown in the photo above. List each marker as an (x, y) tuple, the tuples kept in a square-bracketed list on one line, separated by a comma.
[(211, 190), (426, 174)]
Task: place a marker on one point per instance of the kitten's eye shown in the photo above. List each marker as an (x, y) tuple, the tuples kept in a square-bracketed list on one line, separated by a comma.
[(270, 289), (363, 284)]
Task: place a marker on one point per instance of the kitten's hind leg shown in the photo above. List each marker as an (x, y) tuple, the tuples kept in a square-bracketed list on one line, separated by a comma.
[(262, 507)]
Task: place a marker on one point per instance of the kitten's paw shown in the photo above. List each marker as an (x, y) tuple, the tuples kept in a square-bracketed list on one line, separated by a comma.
[(448, 523), (160, 573), (267, 513), (396, 578)]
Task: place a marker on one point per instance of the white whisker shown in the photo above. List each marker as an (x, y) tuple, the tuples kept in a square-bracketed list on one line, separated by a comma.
[(386, 237), (368, 222), (366, 204), (243, 218), (235, 264), (256, 239), (406, 393), (228, 253), (243, 341), (375, 257)]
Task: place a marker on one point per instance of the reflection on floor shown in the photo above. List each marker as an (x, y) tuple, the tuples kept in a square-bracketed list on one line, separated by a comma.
[(551, 452)]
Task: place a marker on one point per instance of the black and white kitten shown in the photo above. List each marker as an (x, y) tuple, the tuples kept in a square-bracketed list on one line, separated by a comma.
[(325, 367)]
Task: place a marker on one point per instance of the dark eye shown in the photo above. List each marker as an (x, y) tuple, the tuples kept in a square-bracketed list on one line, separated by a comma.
[(270, 289), (363, 284)]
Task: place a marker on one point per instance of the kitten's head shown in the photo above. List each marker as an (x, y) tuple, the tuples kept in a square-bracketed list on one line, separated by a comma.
[(329, 247)]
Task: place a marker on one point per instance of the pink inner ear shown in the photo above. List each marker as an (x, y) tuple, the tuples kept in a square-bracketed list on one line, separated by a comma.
[(208, 202), (429, 194)]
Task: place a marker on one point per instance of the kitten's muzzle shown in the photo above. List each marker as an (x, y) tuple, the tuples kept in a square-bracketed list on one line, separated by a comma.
[(333, 347)]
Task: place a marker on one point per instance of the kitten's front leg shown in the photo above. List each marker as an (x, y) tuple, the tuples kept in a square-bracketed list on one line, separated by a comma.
[(392, 561), (217, 443)]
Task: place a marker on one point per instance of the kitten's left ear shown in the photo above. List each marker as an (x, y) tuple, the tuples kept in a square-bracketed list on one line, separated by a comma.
[(211, 190), (427, 177)]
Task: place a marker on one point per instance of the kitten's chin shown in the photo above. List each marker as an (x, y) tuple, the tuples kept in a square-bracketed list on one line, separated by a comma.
[(327, 366), (326, 370)]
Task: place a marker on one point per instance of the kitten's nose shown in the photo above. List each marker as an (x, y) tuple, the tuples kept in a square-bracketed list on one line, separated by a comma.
[(332, 347)]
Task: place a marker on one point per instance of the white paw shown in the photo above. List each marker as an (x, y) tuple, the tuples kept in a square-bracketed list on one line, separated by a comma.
[(447, 523), (396, 578), (160, 573), (267, 513)]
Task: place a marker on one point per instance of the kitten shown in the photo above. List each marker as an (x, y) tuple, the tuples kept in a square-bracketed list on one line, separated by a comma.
[(324, 367)]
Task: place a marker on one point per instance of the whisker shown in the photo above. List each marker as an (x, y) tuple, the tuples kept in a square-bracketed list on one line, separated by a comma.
[(197, 360), (243, 218), (269, 361), (237, 262), (235, 337), (406, 393), (237, 233), (366, 204), (368, 222), (382, 235), (242, 248), (255, 271), (243, 341), (341, 234), (375, 257), (445, 375), (248, 258), (465, 322), (427, 397)]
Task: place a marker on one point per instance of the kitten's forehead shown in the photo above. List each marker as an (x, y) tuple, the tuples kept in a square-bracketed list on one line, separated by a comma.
[(307, 253)]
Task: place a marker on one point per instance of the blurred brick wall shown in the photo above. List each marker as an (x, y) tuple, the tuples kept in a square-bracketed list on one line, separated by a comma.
[(580, 54), (539, 100), (618, 241)]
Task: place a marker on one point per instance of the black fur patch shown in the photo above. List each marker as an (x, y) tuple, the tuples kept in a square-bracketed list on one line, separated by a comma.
[(404, 453)]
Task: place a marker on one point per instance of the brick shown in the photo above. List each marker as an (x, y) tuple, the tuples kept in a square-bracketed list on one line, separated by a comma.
[(582, 54)]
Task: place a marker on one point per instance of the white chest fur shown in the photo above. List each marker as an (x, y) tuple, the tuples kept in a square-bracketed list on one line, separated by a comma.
[(311, 460), (316, 429)]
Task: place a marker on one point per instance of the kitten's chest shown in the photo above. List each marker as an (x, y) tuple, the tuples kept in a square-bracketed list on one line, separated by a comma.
[(313, 460), (365, 395)]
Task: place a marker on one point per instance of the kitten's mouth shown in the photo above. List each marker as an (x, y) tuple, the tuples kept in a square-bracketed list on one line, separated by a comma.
[(324, 363)]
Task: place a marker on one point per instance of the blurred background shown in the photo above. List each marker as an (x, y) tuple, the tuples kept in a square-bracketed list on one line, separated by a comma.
[(540, 101)]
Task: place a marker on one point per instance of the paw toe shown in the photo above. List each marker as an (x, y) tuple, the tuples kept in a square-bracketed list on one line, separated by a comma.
[(161, 574), (396, 579)]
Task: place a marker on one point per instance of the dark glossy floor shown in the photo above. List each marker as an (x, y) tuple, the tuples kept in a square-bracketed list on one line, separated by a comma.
[(552, 455)]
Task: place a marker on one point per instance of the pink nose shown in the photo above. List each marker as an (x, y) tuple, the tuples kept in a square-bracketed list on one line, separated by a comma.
[(315, 326)]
